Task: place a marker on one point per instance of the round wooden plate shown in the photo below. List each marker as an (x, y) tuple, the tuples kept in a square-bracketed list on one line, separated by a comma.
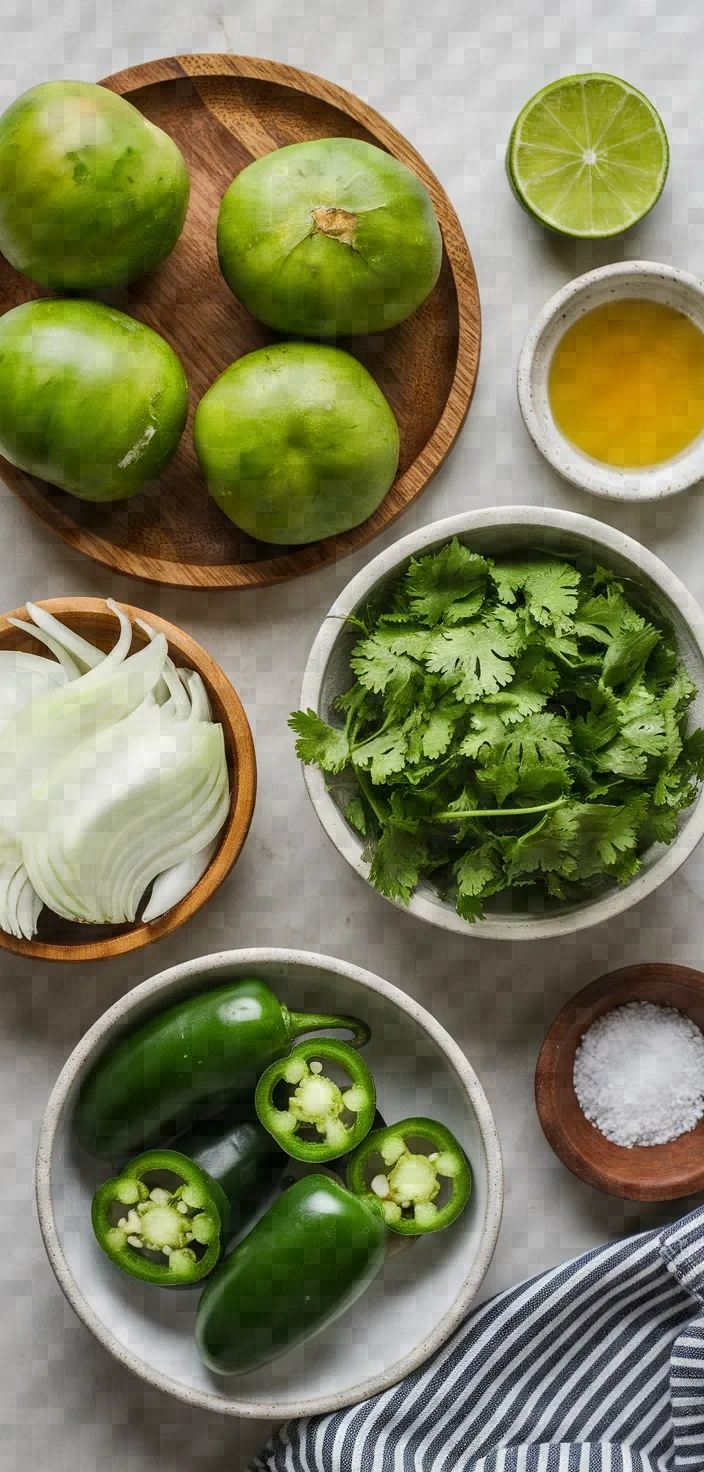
[(223, 112), (66, 940), (645, 1172)]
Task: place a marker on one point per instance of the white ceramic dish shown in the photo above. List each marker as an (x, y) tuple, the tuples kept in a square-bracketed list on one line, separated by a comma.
[(420, 1296), (644, 279), (495, 531)]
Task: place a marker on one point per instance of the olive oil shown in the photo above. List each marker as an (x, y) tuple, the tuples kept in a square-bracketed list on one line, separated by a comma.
[(626, 383)]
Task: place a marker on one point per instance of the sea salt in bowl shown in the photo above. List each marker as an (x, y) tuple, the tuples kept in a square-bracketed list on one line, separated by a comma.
[(663, 1172), (496, 532)]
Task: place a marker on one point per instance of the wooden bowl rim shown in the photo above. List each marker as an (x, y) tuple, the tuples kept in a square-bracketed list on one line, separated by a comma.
[(240, 748), (308, 557), (569, 1024)]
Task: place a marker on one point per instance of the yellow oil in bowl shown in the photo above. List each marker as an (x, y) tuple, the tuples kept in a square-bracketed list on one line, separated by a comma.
[(626, 383)]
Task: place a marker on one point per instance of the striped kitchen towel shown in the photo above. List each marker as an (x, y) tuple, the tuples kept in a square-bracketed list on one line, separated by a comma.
[(597, 1366)]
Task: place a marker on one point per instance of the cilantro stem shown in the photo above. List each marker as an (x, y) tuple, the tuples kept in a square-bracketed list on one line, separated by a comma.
[(545, 807), (367, 789)]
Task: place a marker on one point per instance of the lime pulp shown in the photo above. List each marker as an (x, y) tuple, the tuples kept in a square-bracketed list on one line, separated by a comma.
[(588, 156)]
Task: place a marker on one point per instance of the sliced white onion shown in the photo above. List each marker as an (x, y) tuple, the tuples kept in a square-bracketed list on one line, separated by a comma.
[(83, 652), (68, 664), (173, 884)]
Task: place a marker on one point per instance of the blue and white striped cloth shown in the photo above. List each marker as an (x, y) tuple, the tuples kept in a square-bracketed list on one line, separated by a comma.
[(596, 1366)]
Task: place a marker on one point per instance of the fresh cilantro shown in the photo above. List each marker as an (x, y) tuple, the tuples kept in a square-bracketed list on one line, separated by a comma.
[(446, 581), (318, 744), (511, 724)]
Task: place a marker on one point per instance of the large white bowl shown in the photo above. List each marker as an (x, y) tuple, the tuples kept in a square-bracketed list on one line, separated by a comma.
[(497, 531), (419, 1297)]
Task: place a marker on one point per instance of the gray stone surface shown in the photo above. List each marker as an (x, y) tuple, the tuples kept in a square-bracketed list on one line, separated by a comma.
[(452, 76)]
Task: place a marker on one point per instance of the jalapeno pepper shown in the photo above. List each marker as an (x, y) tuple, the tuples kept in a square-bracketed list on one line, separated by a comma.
[(405, 1183), (316, 1102), (163, 1204), (187, 1063), (244, 1160), (302, 1265)]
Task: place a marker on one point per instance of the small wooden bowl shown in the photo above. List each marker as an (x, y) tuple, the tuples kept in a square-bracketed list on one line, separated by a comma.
[(65, 940), (223, 112), (645, 1172)]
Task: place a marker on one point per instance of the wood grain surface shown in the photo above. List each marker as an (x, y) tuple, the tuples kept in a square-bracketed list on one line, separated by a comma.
[(643, 1173), (64, 940), (223, 112)]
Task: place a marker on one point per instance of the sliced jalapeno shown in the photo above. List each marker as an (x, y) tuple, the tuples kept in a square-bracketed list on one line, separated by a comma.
[(169, 1233), (316, 1104), (407, 1185)]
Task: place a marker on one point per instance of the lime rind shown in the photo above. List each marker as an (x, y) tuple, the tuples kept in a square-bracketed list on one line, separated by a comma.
[(588, 156)]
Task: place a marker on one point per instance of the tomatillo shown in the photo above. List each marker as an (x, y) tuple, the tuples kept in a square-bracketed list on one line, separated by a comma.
[(90, 400), (329, 237), (296, 442), (92, 193)]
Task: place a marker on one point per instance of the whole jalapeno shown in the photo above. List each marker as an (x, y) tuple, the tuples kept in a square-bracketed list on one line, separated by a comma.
[(189, 1062), (303, 1264), (244, 1160)]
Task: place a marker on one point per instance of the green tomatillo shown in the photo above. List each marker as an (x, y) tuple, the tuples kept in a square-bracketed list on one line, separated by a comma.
[(328, 238), (91, 400), (92, 193), (296, 442)]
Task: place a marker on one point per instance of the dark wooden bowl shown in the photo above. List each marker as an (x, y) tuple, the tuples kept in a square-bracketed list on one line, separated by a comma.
[(65, 940), (223, 112), (645, 1172)]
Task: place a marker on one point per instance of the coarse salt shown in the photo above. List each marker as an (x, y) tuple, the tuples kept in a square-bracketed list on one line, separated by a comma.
[(639, 1074)]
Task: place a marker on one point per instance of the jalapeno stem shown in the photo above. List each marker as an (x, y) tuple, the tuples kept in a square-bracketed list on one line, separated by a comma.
[(300, 1022)]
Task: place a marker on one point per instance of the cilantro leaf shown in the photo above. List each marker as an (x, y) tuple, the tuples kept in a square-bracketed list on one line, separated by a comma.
[(397, 863), (356, 816), (549, 587), (478, 872), (383, 754), (318, 744), (475, 657), (628, 653), (444, 580), (383, 664), (536, 741), (534, 682)]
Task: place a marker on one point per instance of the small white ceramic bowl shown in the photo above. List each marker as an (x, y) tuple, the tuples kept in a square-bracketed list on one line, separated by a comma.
[(495, 531), (642, 279), (411, 1308)]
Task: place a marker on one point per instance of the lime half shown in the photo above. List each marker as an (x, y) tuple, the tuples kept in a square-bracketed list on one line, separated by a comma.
[(588, 156)]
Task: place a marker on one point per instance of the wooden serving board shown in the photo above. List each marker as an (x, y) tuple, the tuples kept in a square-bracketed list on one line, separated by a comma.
[(223, 112)]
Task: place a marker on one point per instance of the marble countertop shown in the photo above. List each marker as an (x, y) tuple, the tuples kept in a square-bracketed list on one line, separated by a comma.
[(451, 76)]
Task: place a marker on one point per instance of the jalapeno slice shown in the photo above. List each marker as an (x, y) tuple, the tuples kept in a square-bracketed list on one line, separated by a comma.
[(316, 1104), (163, 1220), (406, 1182)]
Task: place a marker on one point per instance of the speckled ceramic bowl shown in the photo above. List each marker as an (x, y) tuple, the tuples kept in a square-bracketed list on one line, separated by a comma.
[(411, 1308), (644, 279), (496, 531)]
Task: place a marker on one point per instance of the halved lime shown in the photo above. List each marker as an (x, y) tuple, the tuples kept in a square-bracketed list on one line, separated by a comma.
[(588, 156)]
